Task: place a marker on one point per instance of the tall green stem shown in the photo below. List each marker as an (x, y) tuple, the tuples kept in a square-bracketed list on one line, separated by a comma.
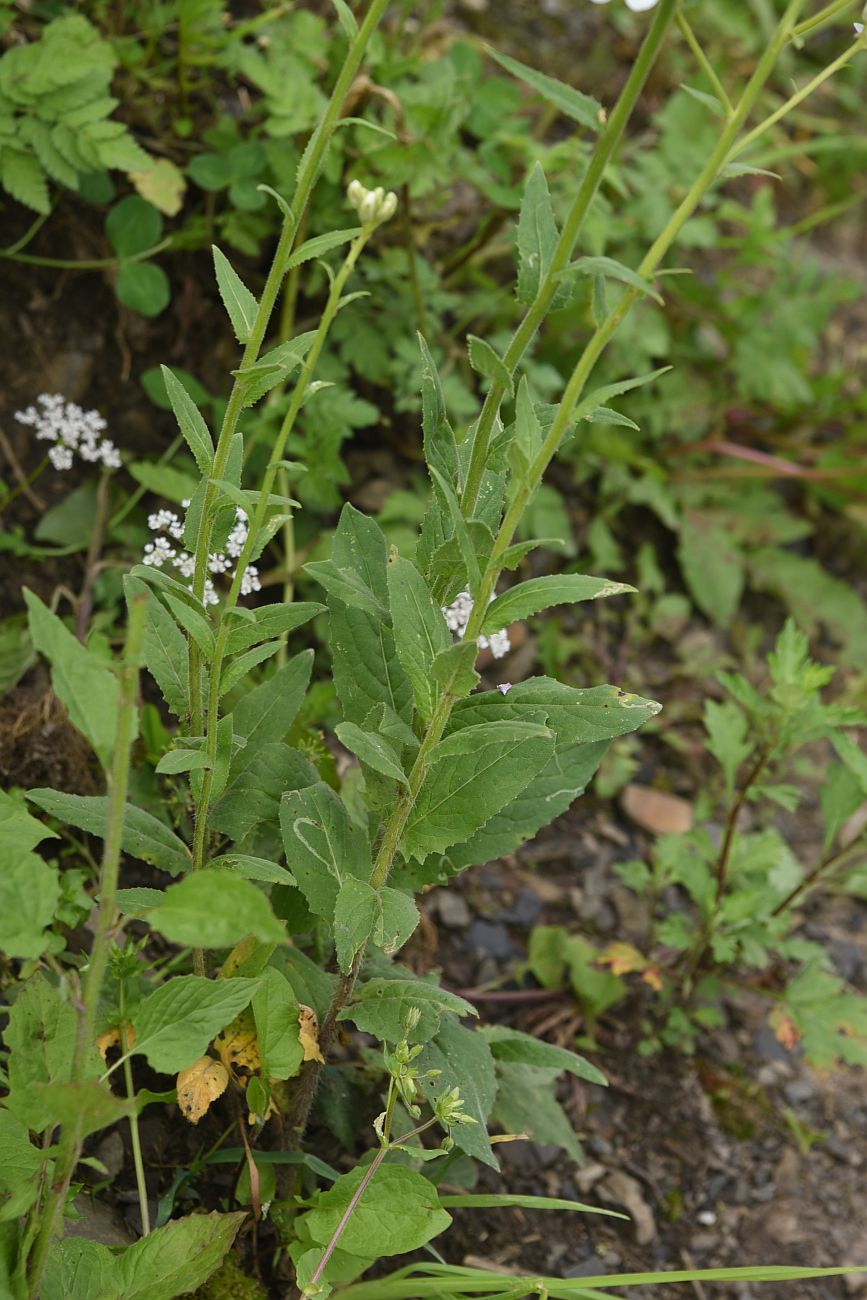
[(254, 531), (310, 165), (606, 146), (106, 917)]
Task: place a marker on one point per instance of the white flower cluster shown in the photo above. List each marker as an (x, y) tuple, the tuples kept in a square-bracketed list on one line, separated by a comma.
[(71, 430), (161, 552), (457, 615)]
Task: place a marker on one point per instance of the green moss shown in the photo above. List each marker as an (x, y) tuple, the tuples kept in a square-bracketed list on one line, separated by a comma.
[(230, 1283)]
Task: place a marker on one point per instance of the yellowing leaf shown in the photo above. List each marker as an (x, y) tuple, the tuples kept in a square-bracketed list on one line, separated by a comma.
[(238, 1047), (111, 1038), (198, 1086), (163, 185), (308, 1035), (622, 958), (785, 1029)]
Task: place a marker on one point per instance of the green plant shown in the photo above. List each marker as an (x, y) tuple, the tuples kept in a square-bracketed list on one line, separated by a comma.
[(56, 113), (744, 890), (303, 884)]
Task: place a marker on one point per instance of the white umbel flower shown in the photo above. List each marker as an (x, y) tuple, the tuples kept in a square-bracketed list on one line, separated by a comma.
[(71, 430), (160, 553), (637, 6), (457, 615)]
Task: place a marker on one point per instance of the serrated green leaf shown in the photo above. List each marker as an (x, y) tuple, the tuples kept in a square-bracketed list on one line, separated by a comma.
[(321, 244), (143, 835), (600, 396), (484, 359), (164, 649), (522, 1049), (610, 269), (464, 1060), (20, 1163), (580, 107), (40, 1038), (195, 624), (420, 631), (371, 749), (460, 794), (354, 913), (29, 894), (381, 1007), (541, 593), (267, 712), (323, 847), (537, 235), (175, 1023), (239, 302), (85, 684), (398, 1212), (174, 1259), (23, 178), (396, 919), (236, 671)]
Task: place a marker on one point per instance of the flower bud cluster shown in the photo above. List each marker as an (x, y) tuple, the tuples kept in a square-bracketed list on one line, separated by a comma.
[(373, 206), (72, 432), (160, 552), (457, 615)]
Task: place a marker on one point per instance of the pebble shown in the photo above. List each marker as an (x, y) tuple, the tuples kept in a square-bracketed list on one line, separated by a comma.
[(491, 939), (453, 910)]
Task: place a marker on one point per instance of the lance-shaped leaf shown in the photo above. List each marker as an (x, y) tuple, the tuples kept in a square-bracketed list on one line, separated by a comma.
[(537, 235), (522, 1049), (190, 422), (471, 783), (237, 298), (574, 713), (367, 671), (600, 396), (355, 573), (323, 847), (464, 1061), (274, 367), (396, 919), (266, 713), (485, 360), (85, 684), (440, 447), (165, 648), (371, 749), (541, 593), (143, 836), (420, 631), (610, 269), (549, 794), (320, 245), (271, 621), (354, 914), (574, 103)]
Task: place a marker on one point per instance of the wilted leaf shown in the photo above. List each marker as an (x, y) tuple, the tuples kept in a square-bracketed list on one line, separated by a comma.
[(308, 1034), (198, 1086)]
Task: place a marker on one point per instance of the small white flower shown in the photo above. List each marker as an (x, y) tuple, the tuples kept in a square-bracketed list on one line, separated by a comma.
[(158, 553), (70, 429), (167, 527), (250, 581), (859, 27), (457, 615), (637, 6), (504, 688), (60, 456)]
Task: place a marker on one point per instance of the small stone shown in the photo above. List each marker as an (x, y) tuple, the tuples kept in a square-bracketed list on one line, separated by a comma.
[(656, 811), (706, 1218), (490, 939), (453, 910)]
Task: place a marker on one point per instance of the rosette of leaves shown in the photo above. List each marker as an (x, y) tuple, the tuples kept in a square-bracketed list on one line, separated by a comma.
[(56, 113)]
